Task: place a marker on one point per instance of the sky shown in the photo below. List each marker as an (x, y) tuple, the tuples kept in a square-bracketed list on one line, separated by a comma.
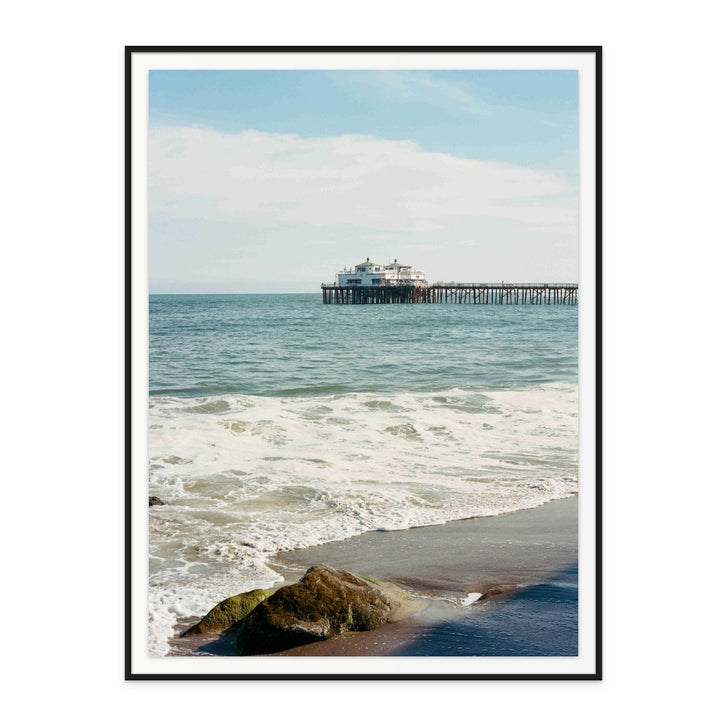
[(272, 181)]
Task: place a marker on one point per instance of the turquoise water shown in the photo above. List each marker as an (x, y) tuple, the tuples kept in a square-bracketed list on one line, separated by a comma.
[(276, 422), (293, 345)]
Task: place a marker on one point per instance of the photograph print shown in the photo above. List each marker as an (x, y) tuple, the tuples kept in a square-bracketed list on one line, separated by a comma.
[(363, 363)]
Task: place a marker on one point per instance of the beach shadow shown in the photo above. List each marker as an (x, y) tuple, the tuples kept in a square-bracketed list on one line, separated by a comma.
[(539, 620), (223, 646)]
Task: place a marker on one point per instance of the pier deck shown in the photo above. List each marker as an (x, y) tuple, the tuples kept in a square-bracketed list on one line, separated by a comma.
[(476, 293)]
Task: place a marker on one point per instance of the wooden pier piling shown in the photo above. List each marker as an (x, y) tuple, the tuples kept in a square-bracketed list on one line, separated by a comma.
[(473, 293)]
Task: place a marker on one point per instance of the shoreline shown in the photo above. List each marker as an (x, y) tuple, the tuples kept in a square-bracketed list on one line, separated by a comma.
[(515, 547), (528, 558)]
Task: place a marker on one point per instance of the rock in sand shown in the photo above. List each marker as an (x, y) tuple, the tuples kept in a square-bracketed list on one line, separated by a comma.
[(324, 603)]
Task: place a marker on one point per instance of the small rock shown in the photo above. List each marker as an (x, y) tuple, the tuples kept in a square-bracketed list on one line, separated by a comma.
[(493, 592), (230, 611), (156, 501)]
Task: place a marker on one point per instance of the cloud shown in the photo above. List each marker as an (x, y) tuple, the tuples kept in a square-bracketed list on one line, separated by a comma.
[(378, 185)]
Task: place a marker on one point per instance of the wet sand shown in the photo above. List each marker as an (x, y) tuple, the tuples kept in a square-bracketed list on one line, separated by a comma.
[(525, 562), (460, 556)]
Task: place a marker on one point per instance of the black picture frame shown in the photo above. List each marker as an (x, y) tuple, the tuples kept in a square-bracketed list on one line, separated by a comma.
[(594, 53)]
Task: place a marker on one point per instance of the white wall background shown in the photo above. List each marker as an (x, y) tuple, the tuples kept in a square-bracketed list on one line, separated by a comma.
[(62, 160)]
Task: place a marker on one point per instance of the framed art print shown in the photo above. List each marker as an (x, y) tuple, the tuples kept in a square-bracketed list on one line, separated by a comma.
[(363, 362)]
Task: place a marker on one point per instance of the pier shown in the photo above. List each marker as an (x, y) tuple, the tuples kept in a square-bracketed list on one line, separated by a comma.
[(474, 293)]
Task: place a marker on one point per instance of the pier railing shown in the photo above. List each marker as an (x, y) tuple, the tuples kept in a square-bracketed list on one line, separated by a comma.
[(475, 293)]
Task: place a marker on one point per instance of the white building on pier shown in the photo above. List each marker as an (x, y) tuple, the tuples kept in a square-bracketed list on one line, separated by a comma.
[(369, 273)]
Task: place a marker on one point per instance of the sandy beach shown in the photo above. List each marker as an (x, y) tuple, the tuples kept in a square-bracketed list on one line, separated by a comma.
[(525, 562)]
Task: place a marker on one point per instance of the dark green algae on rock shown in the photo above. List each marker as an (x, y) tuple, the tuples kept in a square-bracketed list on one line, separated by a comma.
[(325, 603), (229, 612)]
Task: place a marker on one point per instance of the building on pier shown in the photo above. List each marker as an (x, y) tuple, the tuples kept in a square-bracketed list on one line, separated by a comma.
[(369, 273)]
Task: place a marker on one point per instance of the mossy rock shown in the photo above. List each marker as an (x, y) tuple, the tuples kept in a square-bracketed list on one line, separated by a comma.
[(230, 611), (324, 603), (155, 501)]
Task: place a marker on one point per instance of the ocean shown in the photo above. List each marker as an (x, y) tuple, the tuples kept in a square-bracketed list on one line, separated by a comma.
[(277, 423)]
